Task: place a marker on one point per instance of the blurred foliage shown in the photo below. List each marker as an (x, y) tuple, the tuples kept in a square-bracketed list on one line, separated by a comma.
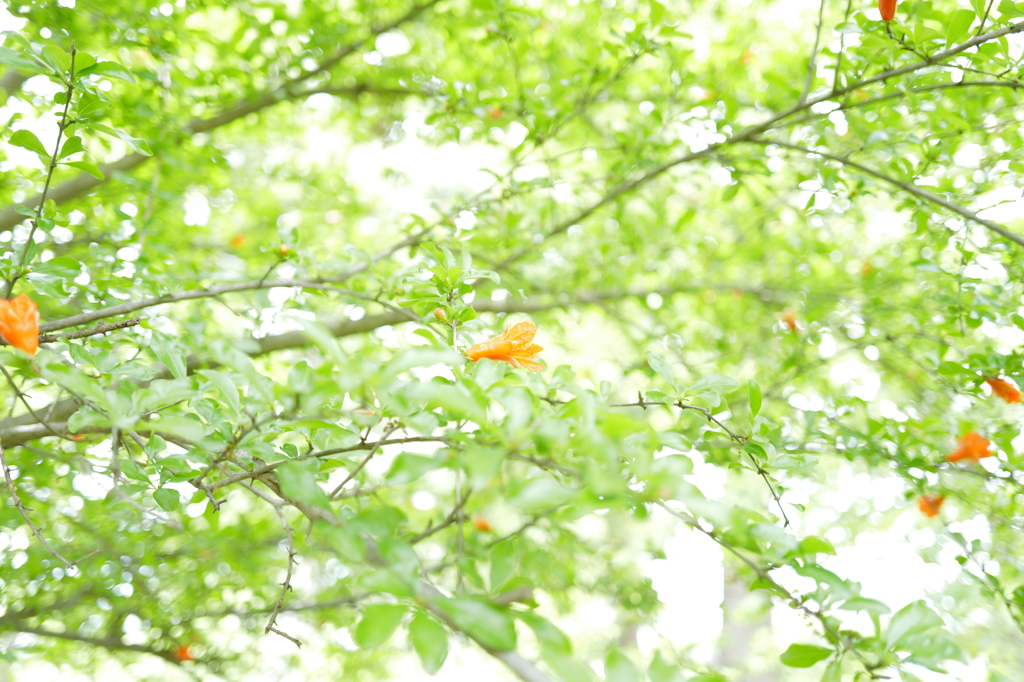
[(779, 243)]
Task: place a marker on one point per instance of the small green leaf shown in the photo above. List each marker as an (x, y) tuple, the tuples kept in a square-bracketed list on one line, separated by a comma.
[(225, 387), (62, 267), (430, 640), (872, 606), (16, 60), (911, 619), (804, 655), (28, 140), (663, 369), (958, 26), (713, 382), (551, 639), (72, 145), (755, 397), (170, 354), (408, 468), (135, 143), (89, 168), (543, 493), (377, 624), (298, 482), (1010, 10), (484, 622), (168, 499), (619, 668), (662, 671), (112, 69), (503, 562), (346, 542)]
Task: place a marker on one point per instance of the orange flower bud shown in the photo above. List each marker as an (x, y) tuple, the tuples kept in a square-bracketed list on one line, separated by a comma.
[(930, 504), (865, 268), (887, 8), (495, 113), (481, 524), (239, 240), (789, 318), (972, 446), (1004, 389), (183, 653), (440, 314), (19, 323), (284, 250)]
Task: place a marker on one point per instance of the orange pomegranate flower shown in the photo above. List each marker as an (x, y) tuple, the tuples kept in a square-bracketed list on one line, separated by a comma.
[(1004, 389), (972, 446), (930, 504), (183, 653), (481, 524), (514, 346), (19, 323), (239, 240)]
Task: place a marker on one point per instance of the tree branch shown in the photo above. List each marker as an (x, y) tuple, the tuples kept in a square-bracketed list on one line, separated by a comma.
[(754, 131), (906, 187), (114, 644), (84, 183)]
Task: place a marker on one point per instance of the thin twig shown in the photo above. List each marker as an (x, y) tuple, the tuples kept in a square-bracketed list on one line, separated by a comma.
[(905, 186), (373, 451), (61, 127), (456, 515), (23, 510), (812, 62), (286, 586)]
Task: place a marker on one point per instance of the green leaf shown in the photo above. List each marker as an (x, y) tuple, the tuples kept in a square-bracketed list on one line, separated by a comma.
[(28, 140), (167, 350), (387, 581), (346, 542), (1010, 10), (377, 624), (225, 387), (89, 168), (804, 655), (430, 640), (619, 668), (551, 639), (958, 26), (184, 427), (168, 499), (73, 145), (663, 369), (911, 619), (62, 267), (298, 482), (503, 562), (136, 144), (872, 606), (407, 468), (16, 60), (112, 69), (543, 493), (486, 623), (662, 671), (713, 382), (755, 398)]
